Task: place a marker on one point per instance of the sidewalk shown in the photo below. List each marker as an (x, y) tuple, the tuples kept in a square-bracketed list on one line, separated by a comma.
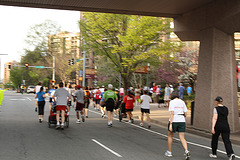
[(160, 116)]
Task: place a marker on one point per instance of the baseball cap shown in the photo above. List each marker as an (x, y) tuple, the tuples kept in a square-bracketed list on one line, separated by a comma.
[(78, 86), (219, 99)]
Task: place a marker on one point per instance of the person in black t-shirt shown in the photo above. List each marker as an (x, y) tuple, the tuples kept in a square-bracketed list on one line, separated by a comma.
[(220, 126)]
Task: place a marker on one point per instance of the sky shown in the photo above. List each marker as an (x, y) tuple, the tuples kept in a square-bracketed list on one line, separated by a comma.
[(15, 22)]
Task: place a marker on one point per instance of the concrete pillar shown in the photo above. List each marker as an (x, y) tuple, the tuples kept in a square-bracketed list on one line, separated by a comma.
[(216, 77)]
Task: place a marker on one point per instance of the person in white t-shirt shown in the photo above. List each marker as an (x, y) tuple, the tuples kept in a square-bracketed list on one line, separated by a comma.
[(177, 123), (145, 107)]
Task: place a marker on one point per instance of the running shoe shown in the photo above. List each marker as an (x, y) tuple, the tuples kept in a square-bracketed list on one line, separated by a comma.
[(187, 155), (102, 115), (62, 127), (132, 120), (83, 119), (86, 116), (35, 109), (168, 154), (78, 121), (58, 126), (149, 126), (232, 157), (212, 155), (141, 124)]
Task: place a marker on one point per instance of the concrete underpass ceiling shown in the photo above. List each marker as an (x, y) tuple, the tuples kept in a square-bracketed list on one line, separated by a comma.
[(161, 8)]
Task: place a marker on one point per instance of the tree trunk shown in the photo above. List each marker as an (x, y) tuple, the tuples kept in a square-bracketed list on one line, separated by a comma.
[(126, 81)]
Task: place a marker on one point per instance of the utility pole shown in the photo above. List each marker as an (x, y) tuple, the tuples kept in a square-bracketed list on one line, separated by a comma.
[(53, 76)]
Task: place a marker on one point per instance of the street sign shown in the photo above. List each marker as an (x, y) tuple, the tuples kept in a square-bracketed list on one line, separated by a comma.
[(90, 76), (39, 67), (78, 60), (90, 71), (142, 70)]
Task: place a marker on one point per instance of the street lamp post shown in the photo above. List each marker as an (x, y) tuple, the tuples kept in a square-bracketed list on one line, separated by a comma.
[(148, 69), (53, 76), (84, 64)]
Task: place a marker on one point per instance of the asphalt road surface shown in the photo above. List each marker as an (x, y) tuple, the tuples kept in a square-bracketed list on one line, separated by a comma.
[(22, 137)]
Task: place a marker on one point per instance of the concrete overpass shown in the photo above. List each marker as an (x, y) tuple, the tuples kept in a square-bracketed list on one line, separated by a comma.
[(212, 22)]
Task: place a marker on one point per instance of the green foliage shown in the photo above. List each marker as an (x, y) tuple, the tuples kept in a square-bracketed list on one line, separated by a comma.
[(127, 41)]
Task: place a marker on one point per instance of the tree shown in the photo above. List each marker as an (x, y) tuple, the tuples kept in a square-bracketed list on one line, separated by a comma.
[(127, 41)]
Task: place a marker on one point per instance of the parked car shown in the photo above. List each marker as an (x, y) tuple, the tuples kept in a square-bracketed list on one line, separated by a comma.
[(30, 89)]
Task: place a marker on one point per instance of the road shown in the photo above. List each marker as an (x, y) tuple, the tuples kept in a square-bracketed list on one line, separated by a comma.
[(22, 137)]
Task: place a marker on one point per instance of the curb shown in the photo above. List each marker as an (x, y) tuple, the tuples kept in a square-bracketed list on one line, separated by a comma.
[(192, 130)]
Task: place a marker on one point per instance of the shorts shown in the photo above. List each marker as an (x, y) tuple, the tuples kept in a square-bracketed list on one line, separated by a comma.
[(86, 103), (97, 101), (129, 110), (110, 105), (145, 110), (69, 103), (79, 106), (50, 100), (61, 108), (166, 98), (178, 127)]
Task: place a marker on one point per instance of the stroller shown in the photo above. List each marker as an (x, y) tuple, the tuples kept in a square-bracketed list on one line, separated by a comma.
[(52, 117)]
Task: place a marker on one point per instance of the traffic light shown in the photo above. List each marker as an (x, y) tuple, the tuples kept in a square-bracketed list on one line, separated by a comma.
[(72, 61), (26, 65), (69, 62), (9, 65), (52, 81)]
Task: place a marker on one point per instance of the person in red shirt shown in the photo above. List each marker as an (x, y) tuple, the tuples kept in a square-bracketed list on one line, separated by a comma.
[(129, 101), (154, 95), (97, 98)]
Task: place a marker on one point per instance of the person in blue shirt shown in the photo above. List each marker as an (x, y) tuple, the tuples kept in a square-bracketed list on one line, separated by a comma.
[(189, 90), (41, 103), (50, 96), (181, 90)]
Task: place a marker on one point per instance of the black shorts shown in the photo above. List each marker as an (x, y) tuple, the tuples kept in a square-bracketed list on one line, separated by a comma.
[(178, 126), (69, 103), (97, 101), (41, 105), (129, 110), (79, 106), (50, 100), (110, 105), (86, 103), (145, 110)]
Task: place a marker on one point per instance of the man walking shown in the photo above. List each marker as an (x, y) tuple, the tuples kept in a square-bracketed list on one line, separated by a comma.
[(79, 97), (181, 90), (62, 96)]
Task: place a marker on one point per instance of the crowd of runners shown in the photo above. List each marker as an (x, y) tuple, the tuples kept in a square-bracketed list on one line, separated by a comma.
[(109, 101)]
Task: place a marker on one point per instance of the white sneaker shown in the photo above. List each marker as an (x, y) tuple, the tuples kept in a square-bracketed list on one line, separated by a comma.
[(232, 157), (168, 154), (141, 124), (129, 121), (212, 155), (78, 121)]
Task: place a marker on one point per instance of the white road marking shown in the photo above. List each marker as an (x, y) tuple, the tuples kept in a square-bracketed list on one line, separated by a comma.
[(17, 99), (29, 99), (163, 135), (105, 147)]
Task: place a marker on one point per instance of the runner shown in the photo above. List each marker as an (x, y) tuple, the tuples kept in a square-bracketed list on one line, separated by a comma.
[(79, 98), (177, 123), (86, 101), (103, 104), (137, 95), (36, 90), (62, 96), (110, 98), (97, 98), (220, 126), (41, 103), (50, 96), (129, 101), (145, 107)]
